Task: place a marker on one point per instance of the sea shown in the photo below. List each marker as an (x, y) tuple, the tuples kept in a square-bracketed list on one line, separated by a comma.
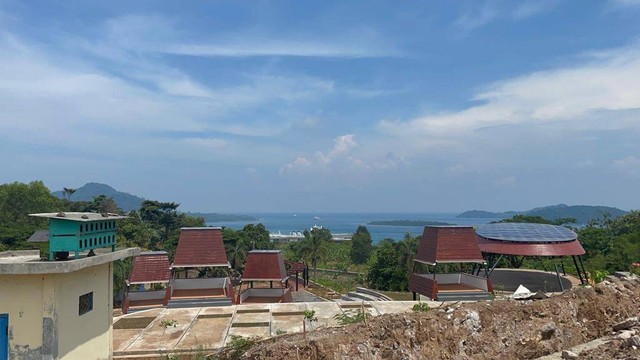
[(349, 222)]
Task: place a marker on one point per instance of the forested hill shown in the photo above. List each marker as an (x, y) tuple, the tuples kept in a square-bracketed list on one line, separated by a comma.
[(125, 201), (582, 213)]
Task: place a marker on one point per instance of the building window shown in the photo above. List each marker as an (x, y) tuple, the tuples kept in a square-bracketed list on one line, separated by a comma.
[(85, 303)]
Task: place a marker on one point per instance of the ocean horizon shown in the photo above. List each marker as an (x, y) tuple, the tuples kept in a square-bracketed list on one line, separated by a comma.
[(342, 222)]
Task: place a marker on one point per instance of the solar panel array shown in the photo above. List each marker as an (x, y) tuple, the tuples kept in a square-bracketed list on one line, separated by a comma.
[(525, 232)]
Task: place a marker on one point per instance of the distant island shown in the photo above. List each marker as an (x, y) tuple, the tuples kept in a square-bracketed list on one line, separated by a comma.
[(582, 213), (214, 217), (408, 223)]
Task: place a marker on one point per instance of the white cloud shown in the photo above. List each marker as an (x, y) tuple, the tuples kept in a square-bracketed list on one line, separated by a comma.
[(531, 8), (485, 12), (342, 146), (509, 181), (476, 18), (629, 165), (608, 82), (163, 35)]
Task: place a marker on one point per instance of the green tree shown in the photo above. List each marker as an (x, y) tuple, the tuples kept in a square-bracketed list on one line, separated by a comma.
[(361, 245), (407, 250), (385, 271), (236, 248), (163, 214), (315, 245), (256, 237), (17, 201)]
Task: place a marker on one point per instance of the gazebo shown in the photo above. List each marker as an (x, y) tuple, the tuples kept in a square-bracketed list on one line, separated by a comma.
[(200, 256), (148, 283), (262, 267), (516, 241), (448, 245)]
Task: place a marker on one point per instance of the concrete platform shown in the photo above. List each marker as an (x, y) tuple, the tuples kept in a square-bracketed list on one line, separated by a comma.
[(211, 328)]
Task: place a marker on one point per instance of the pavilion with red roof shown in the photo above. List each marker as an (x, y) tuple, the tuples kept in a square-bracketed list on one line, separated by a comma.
[(448, 245), (148, 283), (262, 267), (200, 256)]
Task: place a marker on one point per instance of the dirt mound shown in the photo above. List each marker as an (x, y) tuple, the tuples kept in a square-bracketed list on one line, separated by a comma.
[(505, 329)]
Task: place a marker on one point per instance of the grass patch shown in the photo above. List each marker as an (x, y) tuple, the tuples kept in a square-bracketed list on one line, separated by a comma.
[(133, 323), (351, 317), (398, 295)]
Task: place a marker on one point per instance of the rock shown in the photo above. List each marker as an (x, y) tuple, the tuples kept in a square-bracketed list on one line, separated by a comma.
[(625, 334), (548, 331), (634, 341), (472, 321), (566, 354), (626, 324)]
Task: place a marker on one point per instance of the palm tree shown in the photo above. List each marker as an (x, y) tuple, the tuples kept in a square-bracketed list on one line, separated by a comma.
[(237, 253), (407, 249), (315, 246), (67, 192)]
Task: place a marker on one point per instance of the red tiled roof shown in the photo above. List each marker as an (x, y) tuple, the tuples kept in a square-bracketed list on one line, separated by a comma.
[(566, 248), (265, 265), (150, 267), (200, 247), (448, 244)]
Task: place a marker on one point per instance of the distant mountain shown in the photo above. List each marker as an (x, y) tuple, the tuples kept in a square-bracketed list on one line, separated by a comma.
[(125, 201), (582, 213), (407, 223), (481, 214), (213, 217)]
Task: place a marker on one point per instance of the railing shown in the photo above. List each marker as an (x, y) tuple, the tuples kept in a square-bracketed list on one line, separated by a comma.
[(424, 285), (474, 281), (146, 295), (446, 278), (190, 284)]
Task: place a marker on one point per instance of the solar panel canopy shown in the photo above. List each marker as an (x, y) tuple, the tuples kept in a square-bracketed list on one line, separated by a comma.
[(526, 233)]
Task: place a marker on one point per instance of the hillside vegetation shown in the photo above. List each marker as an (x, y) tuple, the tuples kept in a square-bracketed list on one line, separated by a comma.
[(583, 214)]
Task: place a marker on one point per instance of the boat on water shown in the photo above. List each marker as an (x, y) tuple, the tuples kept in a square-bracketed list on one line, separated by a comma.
[(316, 218)]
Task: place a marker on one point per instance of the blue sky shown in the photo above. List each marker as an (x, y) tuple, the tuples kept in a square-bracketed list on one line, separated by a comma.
[(326, 106)]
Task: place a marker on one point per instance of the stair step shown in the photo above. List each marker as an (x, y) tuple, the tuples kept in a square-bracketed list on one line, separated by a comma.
[(362, 296), (462, 296), (195, 302)]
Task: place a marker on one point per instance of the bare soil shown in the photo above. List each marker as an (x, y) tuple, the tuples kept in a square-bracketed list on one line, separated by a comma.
[(504, 329)]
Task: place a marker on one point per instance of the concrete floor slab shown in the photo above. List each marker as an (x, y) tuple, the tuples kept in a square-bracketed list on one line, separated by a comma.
[(122, 338), (212, 327), (390, 307), (287, 317), (208, 333), (218, 310), (158, 337), (247, 332)]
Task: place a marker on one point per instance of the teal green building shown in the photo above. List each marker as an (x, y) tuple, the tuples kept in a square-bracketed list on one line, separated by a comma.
[(75, 232)]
